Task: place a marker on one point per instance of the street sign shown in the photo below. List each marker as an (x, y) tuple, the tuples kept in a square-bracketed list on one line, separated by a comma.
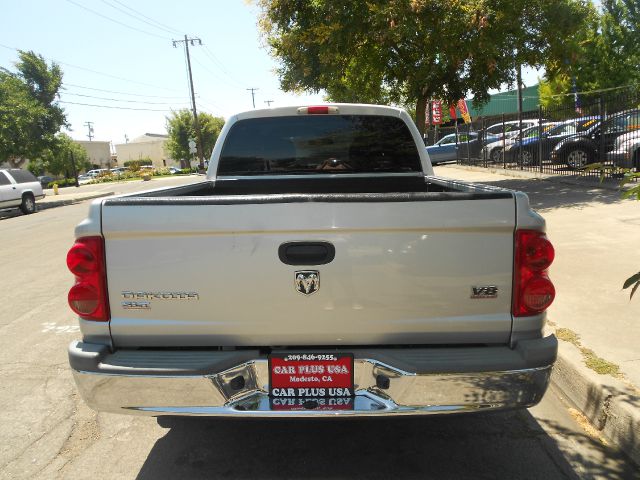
[(192, 146)]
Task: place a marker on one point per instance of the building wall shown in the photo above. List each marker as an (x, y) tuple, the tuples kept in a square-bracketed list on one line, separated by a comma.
[(149, 145), (99, 152)]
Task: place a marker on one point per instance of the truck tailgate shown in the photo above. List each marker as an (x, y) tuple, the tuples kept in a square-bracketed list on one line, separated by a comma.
[(404, 272)]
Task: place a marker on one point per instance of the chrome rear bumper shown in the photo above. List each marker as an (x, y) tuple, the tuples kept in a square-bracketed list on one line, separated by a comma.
[(241, 389)]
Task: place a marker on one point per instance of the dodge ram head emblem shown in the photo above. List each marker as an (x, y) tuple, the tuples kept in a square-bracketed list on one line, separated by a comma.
[(307, 281)]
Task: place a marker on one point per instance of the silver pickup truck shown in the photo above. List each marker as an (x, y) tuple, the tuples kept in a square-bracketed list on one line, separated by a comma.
[(321, 269)]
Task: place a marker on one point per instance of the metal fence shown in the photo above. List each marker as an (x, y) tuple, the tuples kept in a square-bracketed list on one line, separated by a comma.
[(602, 128)]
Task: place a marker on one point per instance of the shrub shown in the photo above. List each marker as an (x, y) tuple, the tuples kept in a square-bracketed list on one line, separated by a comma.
[(63, 182), (136, 164)]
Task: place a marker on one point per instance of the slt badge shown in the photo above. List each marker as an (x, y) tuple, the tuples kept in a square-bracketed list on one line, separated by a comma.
[(307, 281)]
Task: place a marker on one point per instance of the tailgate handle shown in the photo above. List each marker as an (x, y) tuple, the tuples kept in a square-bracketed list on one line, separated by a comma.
[(306, 253)]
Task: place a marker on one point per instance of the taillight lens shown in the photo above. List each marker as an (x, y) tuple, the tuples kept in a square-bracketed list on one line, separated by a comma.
[(533, 291), (318, 110), (88, 297)]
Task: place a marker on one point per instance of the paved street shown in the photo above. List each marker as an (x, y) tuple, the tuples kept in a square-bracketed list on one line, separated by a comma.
[(48, 432)]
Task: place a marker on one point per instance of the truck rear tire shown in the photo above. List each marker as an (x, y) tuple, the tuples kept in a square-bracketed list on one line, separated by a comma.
[(28, 204)]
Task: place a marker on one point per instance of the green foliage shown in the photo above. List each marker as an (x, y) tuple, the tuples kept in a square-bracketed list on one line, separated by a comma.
[(604, 55), (136, 164), (408, 51), (29, 114), (63, 182), (57, 158), (181, 129)]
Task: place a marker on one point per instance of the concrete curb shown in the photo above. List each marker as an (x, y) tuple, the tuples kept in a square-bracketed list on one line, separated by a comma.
[(609, 404), (70, 201)]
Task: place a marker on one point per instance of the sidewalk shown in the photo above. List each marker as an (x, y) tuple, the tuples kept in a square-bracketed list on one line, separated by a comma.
[(596, 236), (67, 196)]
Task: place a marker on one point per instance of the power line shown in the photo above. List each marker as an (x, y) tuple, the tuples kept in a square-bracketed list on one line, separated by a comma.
[(97, 72), (116, 91), (137, 17), (116, 108), (214, 59), (115, 21), (631, 85), (117, 99), (148, 18), (216, 76), (211, 102)]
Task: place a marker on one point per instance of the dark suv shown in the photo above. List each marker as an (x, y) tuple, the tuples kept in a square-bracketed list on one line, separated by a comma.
[(589, 146)]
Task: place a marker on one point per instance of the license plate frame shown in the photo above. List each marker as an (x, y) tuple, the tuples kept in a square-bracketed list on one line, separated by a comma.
[(316, 366)]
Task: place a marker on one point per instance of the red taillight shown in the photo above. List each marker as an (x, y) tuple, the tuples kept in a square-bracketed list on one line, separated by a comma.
[(88, 297), (533, 291)]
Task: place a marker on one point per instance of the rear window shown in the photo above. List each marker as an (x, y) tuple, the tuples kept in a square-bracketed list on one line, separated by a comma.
[(23, 176), (319, 144)]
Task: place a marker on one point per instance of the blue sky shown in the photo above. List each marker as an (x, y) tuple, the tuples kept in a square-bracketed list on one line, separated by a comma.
[(134, 66)]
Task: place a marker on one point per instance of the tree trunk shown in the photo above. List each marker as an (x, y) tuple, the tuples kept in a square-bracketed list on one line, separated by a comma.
[(421, 106), (16, 162)]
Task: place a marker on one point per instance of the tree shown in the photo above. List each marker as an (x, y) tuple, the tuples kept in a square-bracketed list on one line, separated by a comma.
[(410, 51), (181, 129), (57, 158), (606, 55), (29, 114)]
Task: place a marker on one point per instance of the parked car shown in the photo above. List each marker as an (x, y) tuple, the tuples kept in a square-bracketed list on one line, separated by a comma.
[(447, 149), (118, 170), (19, 189), (174, 170), (582, 148), (84, 179), (626, 151), (45, 180), (97, 172), (493, 151), (527, 153), (510, 128)]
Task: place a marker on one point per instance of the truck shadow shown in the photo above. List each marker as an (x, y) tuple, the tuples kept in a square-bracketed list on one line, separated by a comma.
[(10, 213), (550, 194), (497, 445)]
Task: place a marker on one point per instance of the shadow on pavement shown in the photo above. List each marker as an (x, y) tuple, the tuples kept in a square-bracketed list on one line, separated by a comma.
[(507, 445), (549, 194), (10, 213)]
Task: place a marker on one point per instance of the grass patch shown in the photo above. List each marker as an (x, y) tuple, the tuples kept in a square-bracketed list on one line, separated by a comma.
[(591, 360), (568, 336), (599, 365)]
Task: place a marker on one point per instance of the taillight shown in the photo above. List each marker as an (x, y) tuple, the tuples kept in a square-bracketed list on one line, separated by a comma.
[(533, 291), (318, 110), (88, 297)]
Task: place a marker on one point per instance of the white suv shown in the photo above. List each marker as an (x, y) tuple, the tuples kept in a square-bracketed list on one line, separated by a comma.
[(19, 188)]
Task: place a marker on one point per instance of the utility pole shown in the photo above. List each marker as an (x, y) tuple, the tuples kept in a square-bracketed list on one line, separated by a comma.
[(519, 80), (89, 125), (193, 42), (253, 95), (268, 102)]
